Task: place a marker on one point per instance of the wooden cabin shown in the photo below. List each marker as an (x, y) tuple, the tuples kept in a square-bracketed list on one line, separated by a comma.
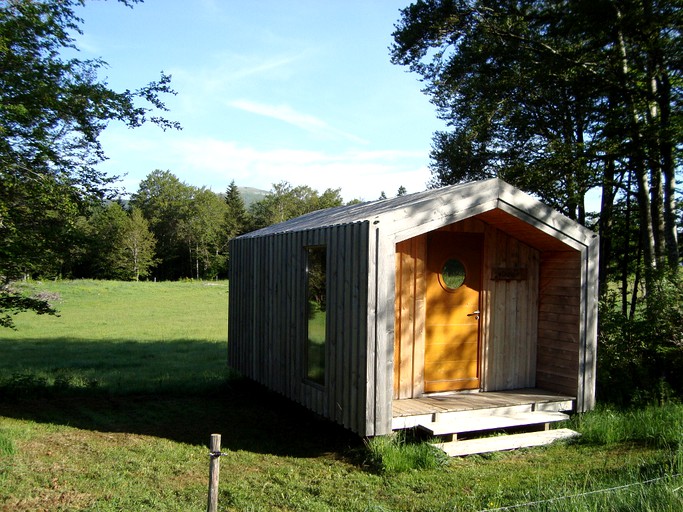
[(363, 311)]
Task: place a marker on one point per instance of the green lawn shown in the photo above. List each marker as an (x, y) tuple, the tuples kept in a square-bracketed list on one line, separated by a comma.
[(110, 407), (121, 337)]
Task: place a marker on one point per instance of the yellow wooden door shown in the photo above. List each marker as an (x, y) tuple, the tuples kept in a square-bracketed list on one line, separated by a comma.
[(452, 311)]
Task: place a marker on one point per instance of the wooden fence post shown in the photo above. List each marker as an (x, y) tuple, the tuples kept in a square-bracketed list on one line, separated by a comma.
[(214, 472)]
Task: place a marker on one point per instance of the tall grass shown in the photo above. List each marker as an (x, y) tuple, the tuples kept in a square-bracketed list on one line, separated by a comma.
[(396, 454), (659, 426)]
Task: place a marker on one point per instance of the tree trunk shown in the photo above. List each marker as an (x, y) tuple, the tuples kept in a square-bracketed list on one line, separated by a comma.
[(627, 240), (605, 225), (637, 161), (669, 172), (654, 164)]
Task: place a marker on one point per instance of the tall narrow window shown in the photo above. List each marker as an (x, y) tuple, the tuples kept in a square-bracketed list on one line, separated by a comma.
[(316, 285)]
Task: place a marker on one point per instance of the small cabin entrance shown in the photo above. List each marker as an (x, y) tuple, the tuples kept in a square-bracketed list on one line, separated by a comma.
[(532, 274), (452, 324)]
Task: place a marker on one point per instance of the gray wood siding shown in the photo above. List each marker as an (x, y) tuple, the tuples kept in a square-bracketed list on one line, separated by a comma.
[(559, 326), (268, 325), (511, 314)]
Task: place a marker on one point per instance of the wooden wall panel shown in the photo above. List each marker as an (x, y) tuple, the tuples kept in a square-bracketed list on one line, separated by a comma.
[(409, 318), (267, 327), (509, 313), (511, 333), (559, 322)]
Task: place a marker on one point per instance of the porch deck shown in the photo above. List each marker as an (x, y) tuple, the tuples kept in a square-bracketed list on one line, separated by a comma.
[(409, 413)]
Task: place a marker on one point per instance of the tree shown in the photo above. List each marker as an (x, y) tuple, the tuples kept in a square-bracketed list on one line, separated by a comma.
[(202, 232), (558, 98), (106, 226), (165, 202), (52, 112), (236, 218), (119, 244), (285, 202), (136, 246)]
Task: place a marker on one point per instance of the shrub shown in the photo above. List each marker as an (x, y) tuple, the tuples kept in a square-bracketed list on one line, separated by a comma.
[(640, 359), (395, 454)]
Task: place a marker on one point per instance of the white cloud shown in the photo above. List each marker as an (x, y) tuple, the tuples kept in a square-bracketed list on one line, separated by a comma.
[(223, 70), (288, 115), (361, 175), (214, 163)]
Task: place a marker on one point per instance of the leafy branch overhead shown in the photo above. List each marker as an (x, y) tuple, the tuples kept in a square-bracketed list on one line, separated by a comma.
[(560, 99), (53, 109)]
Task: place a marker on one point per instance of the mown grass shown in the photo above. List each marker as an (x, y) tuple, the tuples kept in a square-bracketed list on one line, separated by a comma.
[(110, 407), (120, 338)]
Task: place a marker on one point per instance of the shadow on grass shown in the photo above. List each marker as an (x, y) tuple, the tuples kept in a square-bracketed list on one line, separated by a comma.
[(180, 390)]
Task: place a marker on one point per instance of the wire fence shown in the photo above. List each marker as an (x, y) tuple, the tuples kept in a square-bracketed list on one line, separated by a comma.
[(580, 495)]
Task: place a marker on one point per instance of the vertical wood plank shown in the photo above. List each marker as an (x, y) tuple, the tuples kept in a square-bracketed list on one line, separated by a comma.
[(406, 296), (420, 291), (372, 326), (590, 322), (359, 363), (400, 247), (349, 334), (532, 320)]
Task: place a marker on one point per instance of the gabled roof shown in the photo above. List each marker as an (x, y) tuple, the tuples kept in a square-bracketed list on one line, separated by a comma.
[(404, 217)]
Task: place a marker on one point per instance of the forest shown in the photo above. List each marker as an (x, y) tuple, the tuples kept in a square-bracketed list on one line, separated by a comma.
[(169, 230)]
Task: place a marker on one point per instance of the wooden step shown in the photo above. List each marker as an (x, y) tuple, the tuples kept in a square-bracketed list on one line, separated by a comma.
[(505, 442), (481, 423)]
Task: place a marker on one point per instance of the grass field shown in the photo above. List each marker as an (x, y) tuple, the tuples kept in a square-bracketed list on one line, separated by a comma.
[(110, 407)]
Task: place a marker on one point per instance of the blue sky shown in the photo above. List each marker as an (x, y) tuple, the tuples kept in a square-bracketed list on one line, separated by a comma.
[(268, 91)]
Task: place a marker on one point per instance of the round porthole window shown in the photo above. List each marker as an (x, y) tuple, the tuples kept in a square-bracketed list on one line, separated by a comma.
[(453, 274)]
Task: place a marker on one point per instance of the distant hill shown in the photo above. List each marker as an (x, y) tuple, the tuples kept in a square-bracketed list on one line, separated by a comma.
[(251, 195)]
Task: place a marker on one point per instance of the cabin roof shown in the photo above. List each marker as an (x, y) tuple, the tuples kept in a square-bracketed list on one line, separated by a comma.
[(406, 216)]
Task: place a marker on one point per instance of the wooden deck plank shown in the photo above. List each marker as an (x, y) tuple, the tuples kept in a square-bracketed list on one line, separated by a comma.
[(455, 402), (508, 442), (479, 424)]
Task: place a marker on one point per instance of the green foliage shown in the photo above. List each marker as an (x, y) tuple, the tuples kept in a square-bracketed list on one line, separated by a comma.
[(513, 86), (136, 247), (641, 357), (395, 454), (203, 233), (52, 113), (105, 228), (165, 202), (657, 426), (236, 214), (188, 224), (115, 243), (285, 202)]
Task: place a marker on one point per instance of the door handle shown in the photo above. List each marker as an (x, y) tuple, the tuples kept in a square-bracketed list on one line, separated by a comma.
[(475, 314)]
